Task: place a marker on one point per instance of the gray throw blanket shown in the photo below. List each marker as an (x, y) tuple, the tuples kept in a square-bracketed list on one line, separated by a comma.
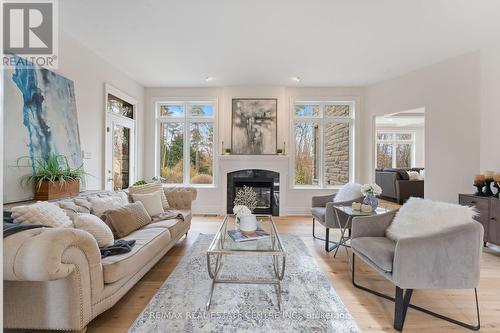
[(12, 228), (120, 246)]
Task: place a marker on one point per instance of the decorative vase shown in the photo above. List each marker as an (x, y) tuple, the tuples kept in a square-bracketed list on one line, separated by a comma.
[(487, 191), (371, 199), (248, 224)]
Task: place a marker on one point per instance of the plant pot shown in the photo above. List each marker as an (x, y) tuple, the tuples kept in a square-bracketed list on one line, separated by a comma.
[(371, 200), (56, 190), (248, 224)]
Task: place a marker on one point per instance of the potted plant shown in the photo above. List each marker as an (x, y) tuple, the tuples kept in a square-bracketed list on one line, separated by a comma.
[(53, 178)]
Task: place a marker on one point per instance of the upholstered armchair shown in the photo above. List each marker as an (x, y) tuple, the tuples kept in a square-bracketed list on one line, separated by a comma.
[(444, 259), (323, 211)]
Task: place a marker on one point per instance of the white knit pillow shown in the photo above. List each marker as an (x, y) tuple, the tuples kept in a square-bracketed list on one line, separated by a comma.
[(101, 205), (96, 227), (418, 217), (42, 212), (349, 191), (151, 201)]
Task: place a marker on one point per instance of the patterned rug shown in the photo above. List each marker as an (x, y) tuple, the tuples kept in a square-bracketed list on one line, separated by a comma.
[(309, 302)]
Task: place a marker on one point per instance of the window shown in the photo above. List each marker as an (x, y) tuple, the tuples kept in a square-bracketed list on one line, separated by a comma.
[(185, 153), (395, 149), (323, 143)]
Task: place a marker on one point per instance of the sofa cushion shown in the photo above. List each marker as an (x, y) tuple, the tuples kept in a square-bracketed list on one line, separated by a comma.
[(41, 212), (318, 213), (148, 243), (175, 226), (128, 218), (378, 250), (150, 188)]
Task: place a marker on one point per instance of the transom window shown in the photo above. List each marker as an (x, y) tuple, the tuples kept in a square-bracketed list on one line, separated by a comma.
[(323, 143), (185, 149), (395, 149)]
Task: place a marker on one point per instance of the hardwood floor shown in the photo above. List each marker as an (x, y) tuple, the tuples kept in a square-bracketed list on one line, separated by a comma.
[(372, 313)]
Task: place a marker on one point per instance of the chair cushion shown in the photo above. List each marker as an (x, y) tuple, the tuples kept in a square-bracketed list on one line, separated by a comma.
[(318, 213), (379, 250), (148, 243)]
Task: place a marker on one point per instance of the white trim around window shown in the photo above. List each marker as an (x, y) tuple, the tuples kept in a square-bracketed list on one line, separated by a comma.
[(394, 142), (186, 120), (321, 119)]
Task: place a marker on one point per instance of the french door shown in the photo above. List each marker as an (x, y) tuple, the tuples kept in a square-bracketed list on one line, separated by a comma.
[(120, 141)]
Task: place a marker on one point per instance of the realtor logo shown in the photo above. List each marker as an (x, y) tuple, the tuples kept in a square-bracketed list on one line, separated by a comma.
[(30, 31)]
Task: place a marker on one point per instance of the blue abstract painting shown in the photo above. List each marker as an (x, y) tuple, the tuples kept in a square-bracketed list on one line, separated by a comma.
[(40, 119)]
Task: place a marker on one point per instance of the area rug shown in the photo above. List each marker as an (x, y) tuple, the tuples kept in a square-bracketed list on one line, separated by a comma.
[(309, 302)]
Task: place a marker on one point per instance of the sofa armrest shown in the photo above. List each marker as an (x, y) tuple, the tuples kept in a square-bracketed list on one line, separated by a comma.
[(372, 226), (48, 254), (409, 188), (322, 200), (448, 259), (180, 197)]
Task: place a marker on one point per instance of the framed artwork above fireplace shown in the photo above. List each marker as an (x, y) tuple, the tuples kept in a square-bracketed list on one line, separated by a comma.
[(254, 126)]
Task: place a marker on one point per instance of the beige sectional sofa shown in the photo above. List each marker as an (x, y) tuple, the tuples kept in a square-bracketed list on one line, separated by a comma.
[(55, 278)]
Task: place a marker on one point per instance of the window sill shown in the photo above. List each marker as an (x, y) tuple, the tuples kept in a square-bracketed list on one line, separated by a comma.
[(208, 186), (316, 187)]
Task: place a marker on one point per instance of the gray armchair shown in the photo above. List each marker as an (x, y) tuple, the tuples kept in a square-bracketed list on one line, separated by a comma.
[(323, 211), (448, 259)]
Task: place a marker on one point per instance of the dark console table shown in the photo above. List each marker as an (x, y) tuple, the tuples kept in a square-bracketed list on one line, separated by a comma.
[(489, 215)]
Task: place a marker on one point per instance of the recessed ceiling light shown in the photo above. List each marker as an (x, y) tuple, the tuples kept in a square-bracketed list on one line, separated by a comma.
[(296, 79), (209, 79)]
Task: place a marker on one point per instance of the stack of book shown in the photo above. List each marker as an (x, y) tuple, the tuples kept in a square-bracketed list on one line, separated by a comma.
[(238, 236)]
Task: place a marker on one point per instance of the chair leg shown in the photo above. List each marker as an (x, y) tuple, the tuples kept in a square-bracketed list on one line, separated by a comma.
[(403, 303), (327, 240), (402, 300), (314, 236)]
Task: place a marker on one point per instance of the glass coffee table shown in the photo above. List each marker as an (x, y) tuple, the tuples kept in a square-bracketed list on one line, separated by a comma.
[(223, 245)]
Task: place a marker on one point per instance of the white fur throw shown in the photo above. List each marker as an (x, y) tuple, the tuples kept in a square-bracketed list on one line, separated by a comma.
[(419, 217), (349, 191)]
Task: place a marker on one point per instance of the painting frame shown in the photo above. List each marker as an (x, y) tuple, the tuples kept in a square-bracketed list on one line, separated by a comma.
[(272, 121)]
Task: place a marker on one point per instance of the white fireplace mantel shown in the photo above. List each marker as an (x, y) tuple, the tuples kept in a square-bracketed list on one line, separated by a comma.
[(277, 163)]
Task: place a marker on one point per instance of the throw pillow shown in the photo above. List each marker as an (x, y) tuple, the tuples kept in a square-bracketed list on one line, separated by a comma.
[(128, 218), (42, 212), (418, 217), (413, 175), (349, 191), (101, 205), (96, 227), (71, 209), (151, 201), (149, 188)]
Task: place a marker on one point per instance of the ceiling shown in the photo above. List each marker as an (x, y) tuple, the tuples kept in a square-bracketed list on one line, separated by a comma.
[(409, 118), (267, 42)]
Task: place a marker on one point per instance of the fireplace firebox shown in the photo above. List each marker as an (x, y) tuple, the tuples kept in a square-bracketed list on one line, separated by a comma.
[(264, 182)]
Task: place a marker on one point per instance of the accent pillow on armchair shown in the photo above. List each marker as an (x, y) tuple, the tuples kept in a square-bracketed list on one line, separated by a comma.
[(349, 191)]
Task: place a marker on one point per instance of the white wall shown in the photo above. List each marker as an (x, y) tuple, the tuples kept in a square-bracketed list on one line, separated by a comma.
[(90, 72), (209, 200), (490, 108), (450, 93)]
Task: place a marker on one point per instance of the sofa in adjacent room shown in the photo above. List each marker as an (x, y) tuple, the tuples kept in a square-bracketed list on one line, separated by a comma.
[(397, 185), (54, 278)]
